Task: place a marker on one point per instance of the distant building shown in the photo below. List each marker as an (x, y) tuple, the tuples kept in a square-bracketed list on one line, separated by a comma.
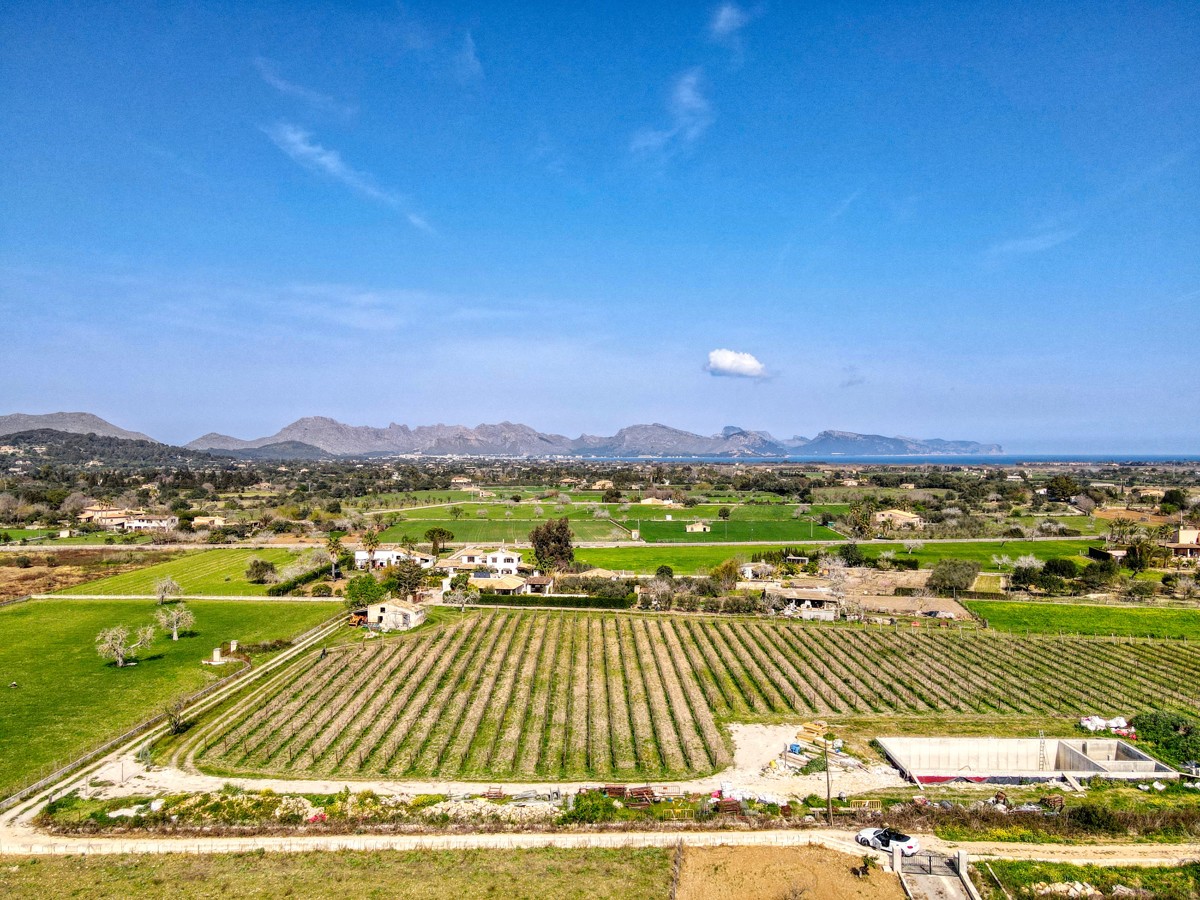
[(694, 527), (497, 584), (460, 481), (383, 558), (208, 522), (144, 522), (1186, 543), (816, 604), (899, 518), (503, 561)]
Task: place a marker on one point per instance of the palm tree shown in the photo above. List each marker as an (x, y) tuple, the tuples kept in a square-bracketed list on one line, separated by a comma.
[(333, 546), (370, 542)]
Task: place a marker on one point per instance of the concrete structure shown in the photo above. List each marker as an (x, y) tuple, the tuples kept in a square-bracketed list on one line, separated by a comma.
[(1186, 543), (810, 604), (394, 615), (146, 522), (693, 527), (208, 522), (1015, 760)]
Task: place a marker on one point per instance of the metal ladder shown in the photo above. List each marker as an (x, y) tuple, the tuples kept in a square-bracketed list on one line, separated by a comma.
[(1043, 762)]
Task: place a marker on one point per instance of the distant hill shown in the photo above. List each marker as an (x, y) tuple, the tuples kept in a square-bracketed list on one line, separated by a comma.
[(509, 439), (284, 450), (71, 422), (45, 445)]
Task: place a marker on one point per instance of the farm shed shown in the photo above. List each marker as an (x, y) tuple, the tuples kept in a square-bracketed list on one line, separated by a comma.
[(1015, 760), (815, 604), (394, 616)]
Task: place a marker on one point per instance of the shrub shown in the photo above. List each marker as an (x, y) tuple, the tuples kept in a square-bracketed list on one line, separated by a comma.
[(591, 807), (322, 590), (258, 571)]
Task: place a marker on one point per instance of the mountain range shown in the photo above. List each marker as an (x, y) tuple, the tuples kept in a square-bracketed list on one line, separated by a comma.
[(319, 437)]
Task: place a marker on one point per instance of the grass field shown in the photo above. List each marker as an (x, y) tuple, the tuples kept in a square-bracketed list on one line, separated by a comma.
[(1161, 882), (20, 534), (69, 699), (208, 573), (500, 530), (790, 530), (691, 560), (514, 695), (683, 559), (1079, 618), (415, 875)]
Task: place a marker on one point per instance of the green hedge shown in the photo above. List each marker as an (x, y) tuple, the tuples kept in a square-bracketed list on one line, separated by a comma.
[(553, 600), (345, 564)]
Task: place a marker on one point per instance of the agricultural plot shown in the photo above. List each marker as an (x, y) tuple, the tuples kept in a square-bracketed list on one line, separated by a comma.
[(211, 573), (68, 699), (537, 695), (1082, 618), (500, 530), (734, 529)]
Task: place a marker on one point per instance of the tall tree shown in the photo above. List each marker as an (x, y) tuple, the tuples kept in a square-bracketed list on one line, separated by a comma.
[(333, 546), (370, 542), (553, 544), (438, 537), (405, 577)]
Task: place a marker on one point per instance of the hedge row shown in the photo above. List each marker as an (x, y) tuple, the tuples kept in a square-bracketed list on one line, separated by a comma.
[(345, 563), (559, 601), (961, 595)]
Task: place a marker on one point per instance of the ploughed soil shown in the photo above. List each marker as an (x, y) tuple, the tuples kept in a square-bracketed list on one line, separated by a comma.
[(775, 873), (53, 570)]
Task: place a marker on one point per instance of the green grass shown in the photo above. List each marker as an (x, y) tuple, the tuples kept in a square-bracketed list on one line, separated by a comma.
[(412, 875), (497, 531), (683, 559), (20, 534), (690, 560), (1162, 882), (1078, 618), (791, 531), (69, 699), (208, 573)]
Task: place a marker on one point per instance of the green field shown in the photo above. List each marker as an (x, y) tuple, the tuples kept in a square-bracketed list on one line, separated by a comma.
[(1019, 876), (499, 531), (590, 874), (1079, 618), (792, 531), (20, 534), (210, 573), (691, 560), (68, 699)]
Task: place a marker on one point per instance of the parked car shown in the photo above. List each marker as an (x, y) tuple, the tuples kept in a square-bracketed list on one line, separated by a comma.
[(884, 838)]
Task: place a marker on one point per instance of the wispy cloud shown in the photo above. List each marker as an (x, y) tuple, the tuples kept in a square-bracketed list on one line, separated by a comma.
[(842, 208), (300, 146), (727, 21), (734, 364), (270, 74), (467, 67), (690, 116), (1035, 243)]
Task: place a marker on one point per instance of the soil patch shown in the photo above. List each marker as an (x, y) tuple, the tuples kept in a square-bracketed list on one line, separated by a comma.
[(775, 873)]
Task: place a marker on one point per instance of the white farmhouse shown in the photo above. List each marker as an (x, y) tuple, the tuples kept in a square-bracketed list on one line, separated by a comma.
[(394, 615), (503, 561), (384, 558)]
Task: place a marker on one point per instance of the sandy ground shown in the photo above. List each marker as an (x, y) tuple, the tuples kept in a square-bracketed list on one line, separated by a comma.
[(754, 747), (717, 873)]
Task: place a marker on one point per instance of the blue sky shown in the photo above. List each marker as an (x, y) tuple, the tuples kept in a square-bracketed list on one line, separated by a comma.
[(966, 221)]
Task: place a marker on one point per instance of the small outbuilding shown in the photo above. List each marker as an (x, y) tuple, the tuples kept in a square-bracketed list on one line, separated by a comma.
[(394, 615)]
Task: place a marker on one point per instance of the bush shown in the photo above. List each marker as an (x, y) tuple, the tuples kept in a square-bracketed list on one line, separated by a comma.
[(1093, 818), (322, 590), (1062, 568), (22, 562), (259, 570), (591, 807)]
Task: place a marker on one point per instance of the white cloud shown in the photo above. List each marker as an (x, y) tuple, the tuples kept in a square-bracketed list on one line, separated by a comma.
[(269, 74), (467, 66), (1034, 244), (690, 113), (735, 364), (300, 146), (727, 21)]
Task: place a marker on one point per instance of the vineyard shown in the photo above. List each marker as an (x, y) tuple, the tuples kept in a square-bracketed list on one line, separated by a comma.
[(546, 695)]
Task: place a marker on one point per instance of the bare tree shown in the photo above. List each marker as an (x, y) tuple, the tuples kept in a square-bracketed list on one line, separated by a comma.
[(118, 645), (174, 618), (166, 588), (1001, 560), (176, 721), (1028, 561), (913, 546)]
